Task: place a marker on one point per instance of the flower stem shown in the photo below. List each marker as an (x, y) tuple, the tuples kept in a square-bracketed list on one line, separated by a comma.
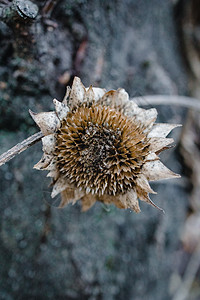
[(20, 147), (182, 101)]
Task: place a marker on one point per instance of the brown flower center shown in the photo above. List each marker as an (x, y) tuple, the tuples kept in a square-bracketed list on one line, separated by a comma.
[(99, 142), (100, 150)]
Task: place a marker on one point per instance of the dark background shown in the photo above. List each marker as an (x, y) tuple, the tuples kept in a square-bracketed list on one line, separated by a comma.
[(146, 47)]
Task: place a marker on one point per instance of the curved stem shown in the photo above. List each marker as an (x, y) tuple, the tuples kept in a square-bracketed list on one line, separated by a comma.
[(17, 149), (183, 101)]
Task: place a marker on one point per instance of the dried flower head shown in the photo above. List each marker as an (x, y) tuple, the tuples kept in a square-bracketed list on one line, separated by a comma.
[(100, 146)]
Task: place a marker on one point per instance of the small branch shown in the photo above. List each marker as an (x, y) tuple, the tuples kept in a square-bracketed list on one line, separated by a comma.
[(182, 101), (6, 156), (184, 287)]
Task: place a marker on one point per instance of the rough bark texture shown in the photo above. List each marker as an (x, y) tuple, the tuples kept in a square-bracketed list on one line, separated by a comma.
[(105, 254)]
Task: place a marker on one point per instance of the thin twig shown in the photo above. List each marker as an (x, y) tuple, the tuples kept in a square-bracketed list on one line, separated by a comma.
[(11, 153), (184, 287), (142, 101), (182, 101)]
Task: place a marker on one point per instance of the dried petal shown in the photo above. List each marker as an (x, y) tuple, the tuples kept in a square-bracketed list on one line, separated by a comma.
[(54, 173), (132, 201), (90, 95), (61, 109), (157, 143), (162, 129), (142, 182), (70, 195), (147, 117), (77, 94), (98, 93), (44, 162), (49, 142), (155, 170), (87, 202), (47, 121), (60, 185), (115, 99)]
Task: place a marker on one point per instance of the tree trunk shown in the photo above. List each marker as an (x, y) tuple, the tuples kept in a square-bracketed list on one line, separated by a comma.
[(105, 253)]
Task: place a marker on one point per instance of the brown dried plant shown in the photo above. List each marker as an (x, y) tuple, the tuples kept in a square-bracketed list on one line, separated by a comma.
[(100, 146)]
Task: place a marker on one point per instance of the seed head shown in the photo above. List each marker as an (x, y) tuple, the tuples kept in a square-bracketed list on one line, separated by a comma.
[(100, 146)]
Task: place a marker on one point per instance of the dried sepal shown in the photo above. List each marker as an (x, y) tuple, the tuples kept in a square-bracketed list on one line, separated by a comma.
[(59, 186), (143, 184), (157, 143), (77, 94), (49, 142), (70, 195), (132, 201), (156, 170), (161, 130), (54, 173), (48, 122), (89, 96), (98, 93), (115, 99), (87, 202), (61, 109), (44, 162)]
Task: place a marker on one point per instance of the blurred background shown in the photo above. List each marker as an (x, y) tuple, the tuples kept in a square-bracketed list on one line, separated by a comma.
[(148, 48)]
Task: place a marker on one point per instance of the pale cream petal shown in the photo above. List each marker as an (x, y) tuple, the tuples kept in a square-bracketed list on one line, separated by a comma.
[(144, 196), (47, 121), (78, 91), (152, 156), (61, 109), (132, 201), (132, 109), (52, 166), (150, 113), (158, 143), (155, 170), (87, 201), (66, 98), (123, 96), (98, 93), (143, 183), (60, 185), (54, 174), (90, 97), (162, 129), (44, 162), (116, 99), (70, 195), (147, 116), (111, 99), (49, 142)]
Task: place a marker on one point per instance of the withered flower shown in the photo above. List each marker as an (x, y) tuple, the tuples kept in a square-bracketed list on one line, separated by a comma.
[(100, 146)]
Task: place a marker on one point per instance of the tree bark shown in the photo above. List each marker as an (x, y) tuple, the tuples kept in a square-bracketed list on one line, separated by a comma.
[(106, 253)]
